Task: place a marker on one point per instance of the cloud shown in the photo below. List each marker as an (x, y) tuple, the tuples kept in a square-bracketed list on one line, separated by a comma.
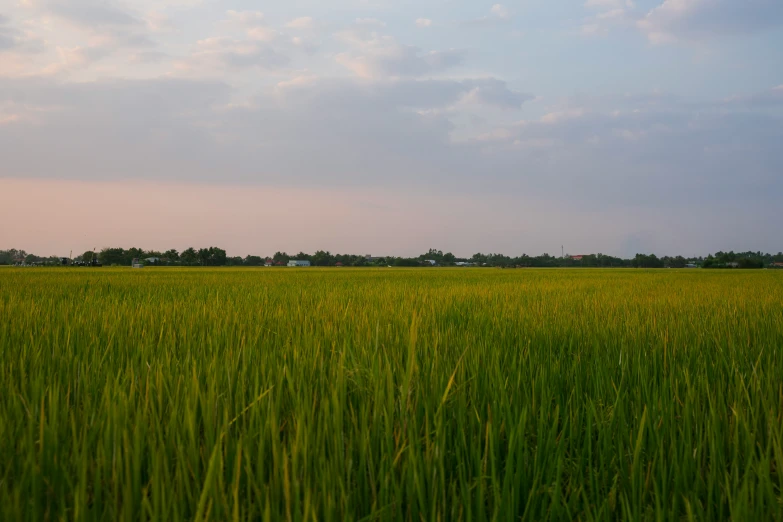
[(620, 155), (400, 60), (190, 130), (109, 129), (147, 57), (7, 34), (93, 13), (398, 115), (658, 152), (370, 22), (491, 91), (305, 22), (374, 55), (252, 23), (12, 39), (500, 11), (246, 19), (608, 5), (498, 14), (608, 15), (675, 20), (79, 34), (158, 21), (219, 52), (762, 100)]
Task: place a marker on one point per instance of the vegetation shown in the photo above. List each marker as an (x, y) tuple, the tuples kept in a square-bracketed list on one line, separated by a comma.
[(214, 256), (390, 394)]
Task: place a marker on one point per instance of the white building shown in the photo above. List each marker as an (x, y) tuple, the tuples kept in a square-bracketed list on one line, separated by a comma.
[(296, 262)]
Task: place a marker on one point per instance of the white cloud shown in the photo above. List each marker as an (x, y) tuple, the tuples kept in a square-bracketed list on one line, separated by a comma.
[(253, 23), (423, 23), (499, 13), (16, 40), (374, 55), (94, 13), (607, 5), (675, 20), (609, 14), (561, 116), (370, 22), (146, 57), (399, 61), (305, 22), (246, 18), (227, 53), (158, 21), (262, 34)]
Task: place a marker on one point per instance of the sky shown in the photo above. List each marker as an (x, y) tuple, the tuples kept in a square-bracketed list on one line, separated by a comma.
[(388, 127)]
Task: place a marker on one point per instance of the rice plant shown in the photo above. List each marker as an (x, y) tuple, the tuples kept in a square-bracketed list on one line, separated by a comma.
[(390, 394)]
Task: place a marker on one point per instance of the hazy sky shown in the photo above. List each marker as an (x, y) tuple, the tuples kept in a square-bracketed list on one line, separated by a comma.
[(392, 126)]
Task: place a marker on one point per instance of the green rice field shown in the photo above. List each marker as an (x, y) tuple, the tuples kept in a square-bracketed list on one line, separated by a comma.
[(390, 394)]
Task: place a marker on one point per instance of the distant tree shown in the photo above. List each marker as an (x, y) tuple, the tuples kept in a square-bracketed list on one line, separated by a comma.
[(172, 256), (212, 256), (321, 258), (479, 259), (112, 256), (647, 261), (402, 261), (189, 256), (281, 257), (217, 256), (133, 253), (253, 261), (88, 256), (749, 263), (432, 254)]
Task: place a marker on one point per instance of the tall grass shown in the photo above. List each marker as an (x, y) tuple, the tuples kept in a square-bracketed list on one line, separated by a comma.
[(332, 395)]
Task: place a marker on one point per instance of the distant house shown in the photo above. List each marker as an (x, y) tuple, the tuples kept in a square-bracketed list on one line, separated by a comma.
[(296, 262), (269, 262), (463, 263), (577, 258), (777, 265), (338, 264), (732, 265), (153, 260), (691, 265), (431, 262)]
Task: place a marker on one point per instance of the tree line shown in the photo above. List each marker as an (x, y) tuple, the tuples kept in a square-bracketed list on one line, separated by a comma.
[(214, 256)]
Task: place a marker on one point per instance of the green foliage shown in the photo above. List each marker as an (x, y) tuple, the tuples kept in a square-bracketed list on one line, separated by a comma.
[(189, 257), (253, 261), (390, 394), (12, 256)]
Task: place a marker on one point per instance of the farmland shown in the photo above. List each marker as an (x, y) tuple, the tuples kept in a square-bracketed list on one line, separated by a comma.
[(390, 394)]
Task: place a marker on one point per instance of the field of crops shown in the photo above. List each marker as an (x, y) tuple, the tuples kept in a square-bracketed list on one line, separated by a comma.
[(390, 394)]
